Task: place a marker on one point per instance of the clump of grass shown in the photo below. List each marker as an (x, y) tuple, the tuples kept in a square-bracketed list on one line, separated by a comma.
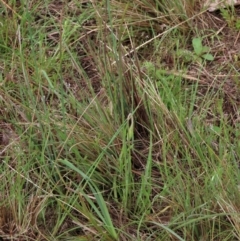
[(99, 142)]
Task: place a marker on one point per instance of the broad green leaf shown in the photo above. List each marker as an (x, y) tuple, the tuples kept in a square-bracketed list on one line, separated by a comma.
[(208, 57), (198, 59), (197, 46), (205, 49)]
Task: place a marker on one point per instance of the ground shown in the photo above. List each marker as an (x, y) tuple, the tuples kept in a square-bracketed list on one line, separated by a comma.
[(119, 121)]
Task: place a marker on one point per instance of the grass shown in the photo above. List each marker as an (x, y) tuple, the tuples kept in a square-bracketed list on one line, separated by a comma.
[(107, 132)]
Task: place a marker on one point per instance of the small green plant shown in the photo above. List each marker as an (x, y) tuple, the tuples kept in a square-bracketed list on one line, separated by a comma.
[(228, 16), (237, 24), (201, 52), (231, 18)]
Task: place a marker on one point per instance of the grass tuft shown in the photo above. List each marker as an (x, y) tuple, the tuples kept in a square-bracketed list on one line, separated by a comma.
[(115, 124)]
